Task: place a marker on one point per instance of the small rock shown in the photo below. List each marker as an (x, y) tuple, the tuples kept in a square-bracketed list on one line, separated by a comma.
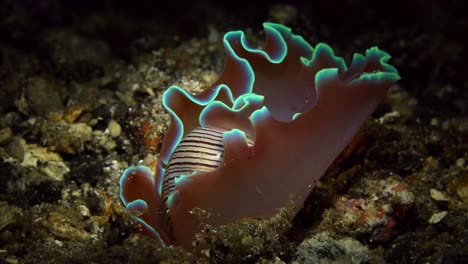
[(391, 117), (460, 162), (322, 248), (438, 195), (46, 165), (65, 138), (62, 227), (84, 211), (437, 217), (36, 163), (102, 141), (374, 214), (114, 129), (72, 113)]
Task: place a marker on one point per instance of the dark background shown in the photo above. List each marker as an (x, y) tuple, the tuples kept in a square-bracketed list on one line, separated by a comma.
[(427, 38)]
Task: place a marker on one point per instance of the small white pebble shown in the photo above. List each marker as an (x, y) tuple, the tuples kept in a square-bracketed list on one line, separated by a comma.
[(84, 211), (114, 129), (460, 162), (438, 195), (58, 243), (437, 217)]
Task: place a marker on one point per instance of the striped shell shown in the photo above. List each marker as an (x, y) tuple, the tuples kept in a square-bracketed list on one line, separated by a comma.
[(201, 150)]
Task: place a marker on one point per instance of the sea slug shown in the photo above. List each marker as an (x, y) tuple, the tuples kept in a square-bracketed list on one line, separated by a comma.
[(264, 132)]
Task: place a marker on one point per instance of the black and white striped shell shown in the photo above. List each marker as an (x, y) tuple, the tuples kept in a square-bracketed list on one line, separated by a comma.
[(201, 150)]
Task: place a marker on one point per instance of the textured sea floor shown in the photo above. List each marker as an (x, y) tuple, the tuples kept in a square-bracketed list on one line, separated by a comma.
[(80, 101)]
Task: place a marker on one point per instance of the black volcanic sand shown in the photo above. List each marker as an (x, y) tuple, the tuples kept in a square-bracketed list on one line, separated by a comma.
[(80, 100)]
